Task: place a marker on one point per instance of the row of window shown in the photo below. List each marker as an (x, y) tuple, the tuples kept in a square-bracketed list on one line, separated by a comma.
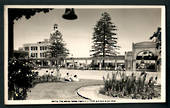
[(43, 47), (36, 48), (35, 55)]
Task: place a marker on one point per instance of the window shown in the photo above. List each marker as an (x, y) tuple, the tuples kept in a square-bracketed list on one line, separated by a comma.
[(40, 48), (34, 55), (43, 47), (42, 54), (34, 48)]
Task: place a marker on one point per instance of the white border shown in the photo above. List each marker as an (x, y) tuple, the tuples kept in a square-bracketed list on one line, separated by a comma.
[(163, 56)]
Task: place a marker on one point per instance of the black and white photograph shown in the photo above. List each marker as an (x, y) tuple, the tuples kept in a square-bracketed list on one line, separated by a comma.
[(78, 54)]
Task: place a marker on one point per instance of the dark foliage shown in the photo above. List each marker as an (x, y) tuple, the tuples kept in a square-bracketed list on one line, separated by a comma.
[(20, 77), (15, 14), (157, 36), (104, 37)]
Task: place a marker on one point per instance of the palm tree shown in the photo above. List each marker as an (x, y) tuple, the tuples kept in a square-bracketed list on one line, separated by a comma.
[(156, 37)]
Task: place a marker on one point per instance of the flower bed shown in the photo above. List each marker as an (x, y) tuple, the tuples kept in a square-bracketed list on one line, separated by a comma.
[(123, 86)]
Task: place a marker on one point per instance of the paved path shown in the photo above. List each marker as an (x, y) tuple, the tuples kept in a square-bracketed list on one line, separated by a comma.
[(59, 90)]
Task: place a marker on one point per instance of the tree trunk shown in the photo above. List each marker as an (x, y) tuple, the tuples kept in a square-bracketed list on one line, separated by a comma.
[(104, 44), (10, 36)]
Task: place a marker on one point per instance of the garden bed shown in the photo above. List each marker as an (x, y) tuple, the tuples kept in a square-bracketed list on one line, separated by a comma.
[(133, 87), (142, 95)]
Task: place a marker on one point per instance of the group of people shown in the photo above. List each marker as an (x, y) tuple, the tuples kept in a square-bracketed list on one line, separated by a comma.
[(70, 77)]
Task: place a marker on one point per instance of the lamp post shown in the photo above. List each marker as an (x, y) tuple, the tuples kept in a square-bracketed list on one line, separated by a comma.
[(72, 60)]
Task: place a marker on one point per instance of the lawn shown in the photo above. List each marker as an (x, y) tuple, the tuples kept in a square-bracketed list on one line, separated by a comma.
[(59, 90)]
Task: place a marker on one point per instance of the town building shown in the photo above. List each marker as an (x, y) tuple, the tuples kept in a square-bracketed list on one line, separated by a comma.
[(38, 51), (143, 56)]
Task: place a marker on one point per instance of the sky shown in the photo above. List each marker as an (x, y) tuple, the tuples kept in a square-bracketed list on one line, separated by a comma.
[(134, 25)]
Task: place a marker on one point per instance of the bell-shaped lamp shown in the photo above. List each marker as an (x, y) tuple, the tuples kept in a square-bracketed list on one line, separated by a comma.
[(69, 14)]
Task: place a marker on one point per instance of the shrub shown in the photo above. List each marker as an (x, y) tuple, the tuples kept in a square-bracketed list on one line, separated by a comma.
[(20, 77), (47, 78), (121, 85)]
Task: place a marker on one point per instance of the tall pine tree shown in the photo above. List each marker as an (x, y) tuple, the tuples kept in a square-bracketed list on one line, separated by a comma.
[(57, 49), (104, 38)]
